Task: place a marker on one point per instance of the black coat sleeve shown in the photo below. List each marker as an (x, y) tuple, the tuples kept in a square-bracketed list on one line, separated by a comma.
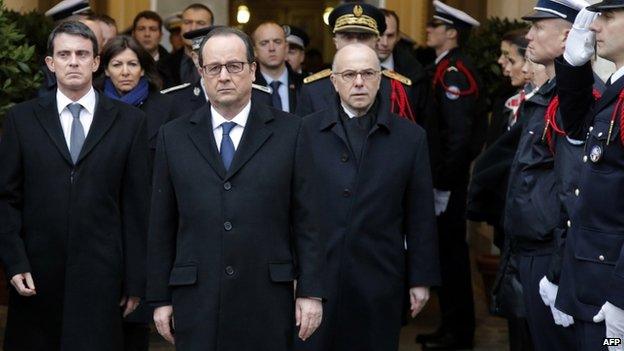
[(12, 250), (420, 224), (574, 88), (163, 225), (135, 201), (310, 251)]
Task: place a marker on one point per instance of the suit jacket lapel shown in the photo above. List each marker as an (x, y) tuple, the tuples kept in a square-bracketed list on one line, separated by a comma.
[(202, 136), (255, 135), (103, 118), (48, 116)]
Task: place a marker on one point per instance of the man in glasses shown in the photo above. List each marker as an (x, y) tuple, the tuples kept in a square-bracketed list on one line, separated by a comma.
[(360, 23), (369, 172), (462, 128), (230, 226), (191, 96)]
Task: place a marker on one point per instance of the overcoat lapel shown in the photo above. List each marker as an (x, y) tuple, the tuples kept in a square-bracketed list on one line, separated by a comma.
[(48, 116)]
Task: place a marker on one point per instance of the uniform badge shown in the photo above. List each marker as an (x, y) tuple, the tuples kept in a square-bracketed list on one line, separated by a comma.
[(595, 154), (357, 10), (196, 91), (452, 92)]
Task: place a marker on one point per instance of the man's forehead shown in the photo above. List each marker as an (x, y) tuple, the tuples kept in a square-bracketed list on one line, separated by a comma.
[(147, 21), (228, 46), (270, 30), (72, 41), (195, 14)]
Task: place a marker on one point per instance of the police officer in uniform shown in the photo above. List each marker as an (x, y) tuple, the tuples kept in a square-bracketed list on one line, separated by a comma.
[(298, 40), (592, 279), (462, 125), (191, 96), (361, 23), (540, 187)]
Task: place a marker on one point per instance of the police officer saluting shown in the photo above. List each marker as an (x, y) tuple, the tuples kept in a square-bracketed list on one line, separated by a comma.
[(356, 23), (592, 278), (462, 127), (191, 96)]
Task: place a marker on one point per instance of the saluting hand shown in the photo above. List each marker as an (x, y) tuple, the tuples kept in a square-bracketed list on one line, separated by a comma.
[(308, 315), (24, 284)]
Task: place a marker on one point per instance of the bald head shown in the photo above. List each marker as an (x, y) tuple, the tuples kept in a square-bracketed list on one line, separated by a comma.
[(356, 77), (355, 51)]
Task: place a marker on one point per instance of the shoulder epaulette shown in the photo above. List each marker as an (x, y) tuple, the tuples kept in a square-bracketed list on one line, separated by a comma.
[(175, 88), (316, 76), (266, 89), (394, 75)]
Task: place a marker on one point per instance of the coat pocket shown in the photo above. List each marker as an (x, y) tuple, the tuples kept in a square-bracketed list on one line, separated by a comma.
[(282, 271), (596, 254), (183, 275)]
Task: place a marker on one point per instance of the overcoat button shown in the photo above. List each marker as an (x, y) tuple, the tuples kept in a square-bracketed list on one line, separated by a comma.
[(229, 270), (227, 226)]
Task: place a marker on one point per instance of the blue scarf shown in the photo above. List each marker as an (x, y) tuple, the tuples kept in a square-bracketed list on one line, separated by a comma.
[(134, 97)]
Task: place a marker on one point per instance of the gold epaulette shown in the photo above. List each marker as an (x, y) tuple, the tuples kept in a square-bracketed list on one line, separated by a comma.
[(393, 75), (267, 90), (174, 88), (316, 76)]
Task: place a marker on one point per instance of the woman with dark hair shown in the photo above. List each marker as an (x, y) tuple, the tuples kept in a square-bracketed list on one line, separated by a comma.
[(131, 76), (488, 187)]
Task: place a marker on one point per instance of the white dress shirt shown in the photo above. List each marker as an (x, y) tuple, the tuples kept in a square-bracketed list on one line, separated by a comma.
[(439, 58), (86, 113), (237, 132), (282, 90), (617, 75), (388, 63)]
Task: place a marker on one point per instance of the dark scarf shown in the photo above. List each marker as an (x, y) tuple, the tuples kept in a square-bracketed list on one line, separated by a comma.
[(357, 128), (134, 97)]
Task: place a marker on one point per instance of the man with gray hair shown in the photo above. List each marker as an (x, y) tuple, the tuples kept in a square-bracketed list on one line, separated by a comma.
[(368, 171), (230, 228)]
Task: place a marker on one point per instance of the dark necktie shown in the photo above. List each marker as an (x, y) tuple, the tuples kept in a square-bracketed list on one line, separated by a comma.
[(77, 135), (227, 146), (276, 101)]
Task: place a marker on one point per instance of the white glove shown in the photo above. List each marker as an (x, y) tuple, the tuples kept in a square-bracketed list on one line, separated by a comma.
[(579, 46), (548, 292), (613, 317), (441, 200)]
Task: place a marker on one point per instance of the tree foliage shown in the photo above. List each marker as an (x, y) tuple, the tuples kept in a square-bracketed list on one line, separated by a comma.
[(20, 76)]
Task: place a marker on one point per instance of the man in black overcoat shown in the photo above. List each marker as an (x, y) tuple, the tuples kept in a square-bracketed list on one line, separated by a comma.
[(74, 191), (230, 226), (369, 171)]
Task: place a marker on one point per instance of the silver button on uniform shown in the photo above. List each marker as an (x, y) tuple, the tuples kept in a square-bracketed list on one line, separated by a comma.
[(601, 258)]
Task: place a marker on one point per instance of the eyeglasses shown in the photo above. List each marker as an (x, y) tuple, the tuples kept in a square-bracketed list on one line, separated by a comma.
[(231, 67), (350, 75)]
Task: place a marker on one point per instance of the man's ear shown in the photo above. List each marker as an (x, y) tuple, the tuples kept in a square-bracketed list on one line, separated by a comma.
[(50, 63), (96, 63), (451, 33)]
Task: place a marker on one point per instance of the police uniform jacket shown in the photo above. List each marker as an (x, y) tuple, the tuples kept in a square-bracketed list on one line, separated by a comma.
[(532, 205), (462, 125), (593, 269), (225, 246), (369, 205)]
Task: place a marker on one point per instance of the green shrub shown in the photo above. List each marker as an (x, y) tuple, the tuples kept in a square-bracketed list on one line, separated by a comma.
[(20, 75)]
